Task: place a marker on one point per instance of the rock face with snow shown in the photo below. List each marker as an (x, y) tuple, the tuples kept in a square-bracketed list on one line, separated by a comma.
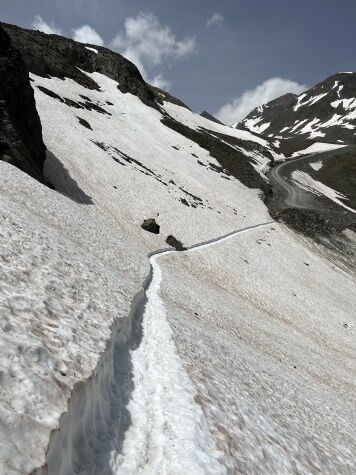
[(326, 113), (20, 127), (55, 56)]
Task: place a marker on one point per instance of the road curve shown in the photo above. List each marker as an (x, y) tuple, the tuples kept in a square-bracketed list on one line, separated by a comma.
[(293, 196)]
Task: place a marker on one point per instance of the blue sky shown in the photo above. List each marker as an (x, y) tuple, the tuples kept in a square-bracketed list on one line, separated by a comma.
[(247, 43)]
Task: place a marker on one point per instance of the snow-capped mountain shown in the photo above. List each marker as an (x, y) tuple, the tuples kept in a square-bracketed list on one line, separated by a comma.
[(121, 355), (324, 114)]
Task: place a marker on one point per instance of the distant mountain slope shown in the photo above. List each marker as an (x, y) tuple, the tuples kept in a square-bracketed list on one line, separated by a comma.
[(20, 127), (326, 113), (208, 116)]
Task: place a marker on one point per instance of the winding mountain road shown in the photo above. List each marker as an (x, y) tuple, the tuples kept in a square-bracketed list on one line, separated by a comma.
[(293, 196)]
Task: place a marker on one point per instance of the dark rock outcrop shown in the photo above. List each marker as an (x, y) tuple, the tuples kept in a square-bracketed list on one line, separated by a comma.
[(208, 116), (174, 242), (151, 226), (162, 95), (56, 56), (21, 141)]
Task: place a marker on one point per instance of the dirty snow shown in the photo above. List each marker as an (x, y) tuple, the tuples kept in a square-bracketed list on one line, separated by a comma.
[(66, 275), (147, 187), (70, 270), (261, 335)]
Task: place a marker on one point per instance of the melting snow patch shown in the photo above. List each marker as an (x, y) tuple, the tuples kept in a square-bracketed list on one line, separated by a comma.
[(317, 147), (92, 49), (168, 434), (257, 129), (312, 100), (309, 184), (316, 165), (347, 104)]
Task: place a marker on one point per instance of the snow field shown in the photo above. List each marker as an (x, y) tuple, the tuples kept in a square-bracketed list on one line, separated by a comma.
[(225, 203), (66, 275), (260, 336)]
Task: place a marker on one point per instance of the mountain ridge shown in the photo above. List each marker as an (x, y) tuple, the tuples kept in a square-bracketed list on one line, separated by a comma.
[(325, 113)]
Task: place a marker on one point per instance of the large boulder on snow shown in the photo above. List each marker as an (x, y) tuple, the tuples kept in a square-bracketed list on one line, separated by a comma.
[(151, 226)]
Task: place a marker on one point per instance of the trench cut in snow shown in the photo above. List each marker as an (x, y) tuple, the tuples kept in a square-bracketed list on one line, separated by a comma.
[(137, 413), (168, 434)]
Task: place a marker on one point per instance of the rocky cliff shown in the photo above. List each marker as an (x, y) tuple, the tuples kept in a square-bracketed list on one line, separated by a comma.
[(20, 127)]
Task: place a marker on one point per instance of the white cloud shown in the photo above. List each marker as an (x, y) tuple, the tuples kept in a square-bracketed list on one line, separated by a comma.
[(49, 28), (215, 20), (240, 107), (147, 43), (161, 82), (87, 34)]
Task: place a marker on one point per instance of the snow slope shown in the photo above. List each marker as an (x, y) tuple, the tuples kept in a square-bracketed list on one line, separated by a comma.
[(216, 204), (70, 270), (264, 324), (317, 147), (66, 275), (236, 366)]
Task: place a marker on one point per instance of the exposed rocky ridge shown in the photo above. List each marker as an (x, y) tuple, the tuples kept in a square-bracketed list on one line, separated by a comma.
[(20, 127), (160, 95), (232, 161), (56, 56), (208, 116), (324, 113)]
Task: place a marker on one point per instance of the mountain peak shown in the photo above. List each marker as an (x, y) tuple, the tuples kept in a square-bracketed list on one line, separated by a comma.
[(325, 113)]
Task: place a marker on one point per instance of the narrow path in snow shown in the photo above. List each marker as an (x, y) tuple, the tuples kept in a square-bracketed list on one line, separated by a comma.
[(168, 434)]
